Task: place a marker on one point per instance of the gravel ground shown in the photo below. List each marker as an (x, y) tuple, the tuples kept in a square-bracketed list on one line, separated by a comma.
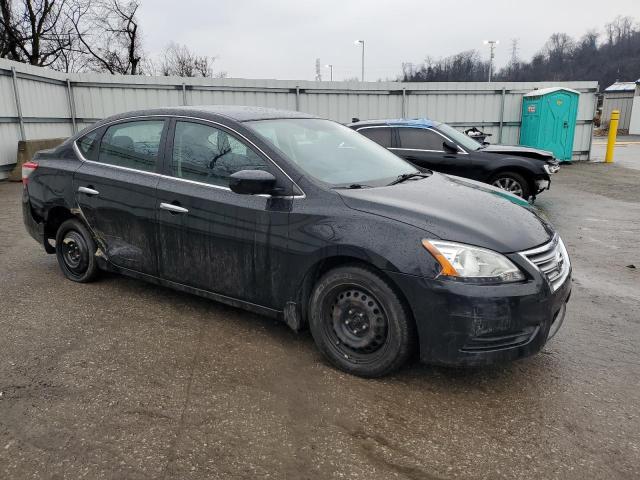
[(122, 379)]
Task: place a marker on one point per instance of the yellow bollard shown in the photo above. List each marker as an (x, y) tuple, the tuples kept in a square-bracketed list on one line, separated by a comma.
[(613, 133)]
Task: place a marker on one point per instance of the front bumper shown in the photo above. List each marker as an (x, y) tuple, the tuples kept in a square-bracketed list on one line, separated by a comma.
[(542, 184), (461, 324)]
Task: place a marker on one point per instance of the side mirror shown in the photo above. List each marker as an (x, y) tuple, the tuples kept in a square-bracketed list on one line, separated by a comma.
[(449, 146), (252, 182)]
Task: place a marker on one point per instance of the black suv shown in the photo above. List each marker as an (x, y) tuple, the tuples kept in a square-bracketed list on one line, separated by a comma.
[(305, 220), (433, 145)]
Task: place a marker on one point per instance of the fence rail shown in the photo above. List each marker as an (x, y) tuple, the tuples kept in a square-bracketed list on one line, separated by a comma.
[(38, 103)]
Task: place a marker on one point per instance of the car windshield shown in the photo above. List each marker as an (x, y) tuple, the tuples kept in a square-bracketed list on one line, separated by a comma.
[(458, 137), (332, 153)]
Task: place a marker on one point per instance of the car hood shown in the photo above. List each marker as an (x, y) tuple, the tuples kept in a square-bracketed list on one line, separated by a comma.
[(457, 209), (519, 151)]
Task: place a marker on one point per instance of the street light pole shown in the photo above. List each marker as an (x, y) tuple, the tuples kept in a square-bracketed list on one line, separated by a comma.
[(330, 67), (361, 42), (492, 45)]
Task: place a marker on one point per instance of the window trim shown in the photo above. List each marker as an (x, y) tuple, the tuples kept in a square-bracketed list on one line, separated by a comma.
[(168, 119)]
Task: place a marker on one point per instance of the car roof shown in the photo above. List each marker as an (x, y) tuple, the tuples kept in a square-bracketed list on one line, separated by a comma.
[(238, 113), (402, 122)]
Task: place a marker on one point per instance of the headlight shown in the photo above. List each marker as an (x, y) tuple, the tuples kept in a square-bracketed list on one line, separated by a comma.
[(551, 168), (473, 264)]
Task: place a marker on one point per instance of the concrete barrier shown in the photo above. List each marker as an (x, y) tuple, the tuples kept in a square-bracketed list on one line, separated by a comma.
[(26, 151)]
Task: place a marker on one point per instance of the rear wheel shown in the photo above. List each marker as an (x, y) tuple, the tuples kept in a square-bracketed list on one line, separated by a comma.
[(512, 182), (75, 251), (359, 323)]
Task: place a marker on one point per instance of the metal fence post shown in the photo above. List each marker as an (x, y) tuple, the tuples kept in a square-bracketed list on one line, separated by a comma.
[(592, 125), (297, 98), (72, 106), (184, 94), (404, 102), (18, 105), (504, 93)]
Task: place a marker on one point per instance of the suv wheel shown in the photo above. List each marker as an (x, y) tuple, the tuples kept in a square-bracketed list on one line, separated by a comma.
[(359, 323), (75, 251)]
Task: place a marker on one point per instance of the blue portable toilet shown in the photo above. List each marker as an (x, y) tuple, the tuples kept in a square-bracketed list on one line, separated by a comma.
[(549, 120)]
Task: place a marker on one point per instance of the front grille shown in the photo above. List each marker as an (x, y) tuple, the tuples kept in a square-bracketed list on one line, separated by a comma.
[(552, 260)]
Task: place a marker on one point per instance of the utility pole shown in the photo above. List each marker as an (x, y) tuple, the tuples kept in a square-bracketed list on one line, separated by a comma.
[(492, 45), (361, 42), (318, 72)]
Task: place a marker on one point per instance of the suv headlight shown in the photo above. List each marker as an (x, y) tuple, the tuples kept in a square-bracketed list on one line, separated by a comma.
[(472, 264)]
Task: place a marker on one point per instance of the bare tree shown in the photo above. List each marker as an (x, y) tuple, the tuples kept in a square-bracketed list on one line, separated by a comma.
[(35, 31), (109, 34), (180, 61)]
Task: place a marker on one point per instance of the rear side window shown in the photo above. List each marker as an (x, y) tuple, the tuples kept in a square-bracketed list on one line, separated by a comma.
[(210, 155), (382, 135), (88, 145), (132, 144), (420, 139)]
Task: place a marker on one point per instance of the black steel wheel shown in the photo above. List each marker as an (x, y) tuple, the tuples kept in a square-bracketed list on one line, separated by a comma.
[(75, 251), (359, 323)]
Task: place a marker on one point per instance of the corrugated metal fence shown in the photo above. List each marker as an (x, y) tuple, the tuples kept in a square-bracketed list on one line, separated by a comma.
[(621, 101), (39, 103)]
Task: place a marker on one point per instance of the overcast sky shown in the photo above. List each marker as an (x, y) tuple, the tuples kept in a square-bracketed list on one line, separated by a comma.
[(282, 38)]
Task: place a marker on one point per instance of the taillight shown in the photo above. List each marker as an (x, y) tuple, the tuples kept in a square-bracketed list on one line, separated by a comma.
[(27, 169)]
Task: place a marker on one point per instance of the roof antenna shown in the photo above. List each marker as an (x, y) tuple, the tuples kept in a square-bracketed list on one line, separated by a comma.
[(355, 119)]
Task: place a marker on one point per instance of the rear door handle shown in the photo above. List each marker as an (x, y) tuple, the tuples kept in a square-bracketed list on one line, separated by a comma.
[(88, 191), (170, 207)]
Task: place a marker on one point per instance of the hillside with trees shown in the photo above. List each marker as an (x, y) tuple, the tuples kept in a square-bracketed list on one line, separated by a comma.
[(607, 56)]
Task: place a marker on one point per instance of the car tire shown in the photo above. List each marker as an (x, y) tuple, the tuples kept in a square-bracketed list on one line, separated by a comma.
[(512, 182), (359, 322), (75, 251)]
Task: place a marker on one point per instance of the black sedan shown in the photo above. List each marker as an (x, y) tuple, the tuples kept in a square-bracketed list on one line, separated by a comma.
[(305, 220), (428, 144)]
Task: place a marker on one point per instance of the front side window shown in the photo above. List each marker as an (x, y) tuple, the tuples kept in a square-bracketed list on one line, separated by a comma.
[(380, 135), (420, 139), (332, 153), (207, 154), (132, 144), (458, 137)]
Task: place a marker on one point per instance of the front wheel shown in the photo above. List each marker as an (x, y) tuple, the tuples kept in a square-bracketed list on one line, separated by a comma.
[(75, 251), (512, 182), (359, 323)]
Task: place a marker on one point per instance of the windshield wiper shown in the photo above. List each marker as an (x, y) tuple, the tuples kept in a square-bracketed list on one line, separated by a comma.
[(407, 176)]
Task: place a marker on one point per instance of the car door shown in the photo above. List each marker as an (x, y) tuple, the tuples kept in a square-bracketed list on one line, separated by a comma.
[(115, 188), (211, 238), (423, 147)]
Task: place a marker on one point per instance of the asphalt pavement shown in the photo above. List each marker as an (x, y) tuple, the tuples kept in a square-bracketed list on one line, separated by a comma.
[(122, 379)]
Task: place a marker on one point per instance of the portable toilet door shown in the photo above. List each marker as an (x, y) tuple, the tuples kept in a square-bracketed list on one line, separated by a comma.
[(549, 120)]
